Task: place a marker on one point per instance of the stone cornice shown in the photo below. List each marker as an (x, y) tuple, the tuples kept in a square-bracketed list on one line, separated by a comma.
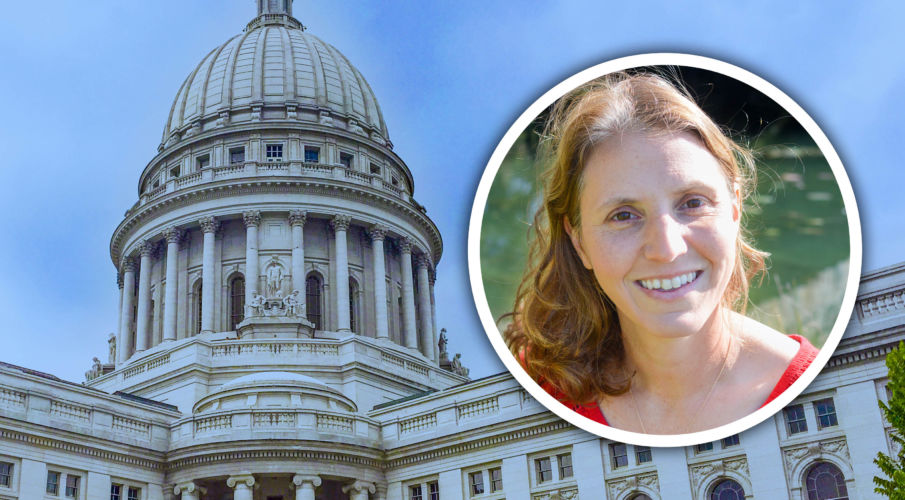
[(129, 458), (418, 454), (276, 184), (868, 353), (286, 449)]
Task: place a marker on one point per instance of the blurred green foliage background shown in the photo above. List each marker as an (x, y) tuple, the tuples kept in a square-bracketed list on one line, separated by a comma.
[(797, 213)]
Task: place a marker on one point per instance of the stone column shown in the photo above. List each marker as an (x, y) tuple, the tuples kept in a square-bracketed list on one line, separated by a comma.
[(125, 327), (378, 234), (408, 294), (209, 226), (252, 221), (142, 322), (304, 486), (242, 486), (427, 325), (358, 490), (189, 491), (340, 225), (119, 325), (297, 219), (432, 278), (173, 236), (382, 491)]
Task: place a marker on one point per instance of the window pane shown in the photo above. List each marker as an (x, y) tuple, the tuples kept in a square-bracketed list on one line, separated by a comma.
[(730, 441), (565, 465), (116, 492), (53, 483), (476, 480), (496, 480), (795, 421), (434, 491), (237, 302), (826, 413), (72, 486), (236, 155), (6, 474), (699, 448), (643, 454), (346, 160), (619, 455), (312, 155), (543, 469), (826, 482), (727, 489), (313, 301), (415, 492), (134, 494)]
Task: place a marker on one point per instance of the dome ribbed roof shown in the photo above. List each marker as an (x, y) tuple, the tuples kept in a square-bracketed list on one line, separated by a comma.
[(275, 62)]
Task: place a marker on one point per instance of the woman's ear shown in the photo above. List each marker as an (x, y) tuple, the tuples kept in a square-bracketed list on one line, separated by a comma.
[(736, 202), (576, 242)]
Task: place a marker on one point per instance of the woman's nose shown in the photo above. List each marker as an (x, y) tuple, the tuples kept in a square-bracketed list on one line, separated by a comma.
[(664, 239)]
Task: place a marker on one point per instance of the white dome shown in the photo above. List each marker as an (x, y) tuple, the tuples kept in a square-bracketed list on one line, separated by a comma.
[(275, 63)]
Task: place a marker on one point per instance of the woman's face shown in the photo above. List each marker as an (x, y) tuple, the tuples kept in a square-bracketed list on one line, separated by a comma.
[(659, 224)]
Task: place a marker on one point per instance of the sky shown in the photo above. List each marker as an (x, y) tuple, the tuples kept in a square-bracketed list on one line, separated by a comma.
[(86, 88)]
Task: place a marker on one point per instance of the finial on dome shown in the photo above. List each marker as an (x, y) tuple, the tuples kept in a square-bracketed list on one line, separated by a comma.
[(275, 7)]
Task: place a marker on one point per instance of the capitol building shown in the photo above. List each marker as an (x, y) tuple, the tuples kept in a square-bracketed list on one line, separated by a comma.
[(277, 335)]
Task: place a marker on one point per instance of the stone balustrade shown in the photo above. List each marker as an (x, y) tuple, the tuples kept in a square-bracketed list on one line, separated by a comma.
[(264, 169)]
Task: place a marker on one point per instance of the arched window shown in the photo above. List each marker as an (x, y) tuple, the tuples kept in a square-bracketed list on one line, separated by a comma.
[(825, 481), (236, 301), (727, 489), (313, 294), (400, 320), (197, 308), (354, 310), (640, 496)]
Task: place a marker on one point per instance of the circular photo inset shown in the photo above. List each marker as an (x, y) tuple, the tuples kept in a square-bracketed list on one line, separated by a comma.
[(664, 249)]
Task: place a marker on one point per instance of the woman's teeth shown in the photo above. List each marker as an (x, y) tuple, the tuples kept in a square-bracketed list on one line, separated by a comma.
[(669, 283)]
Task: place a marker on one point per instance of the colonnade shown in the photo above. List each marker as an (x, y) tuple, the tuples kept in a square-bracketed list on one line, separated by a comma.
[(304, 485), (174, 236)]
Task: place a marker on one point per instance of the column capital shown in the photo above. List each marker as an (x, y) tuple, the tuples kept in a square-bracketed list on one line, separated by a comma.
[(301, 479), (298, 218), (360, 486), (377, 232), (173, 234), (252, 218), (405, 245), (238, 479), (423, 260), (146, 248), (209, 224), (340, 222), (189, 487), (128, 265)]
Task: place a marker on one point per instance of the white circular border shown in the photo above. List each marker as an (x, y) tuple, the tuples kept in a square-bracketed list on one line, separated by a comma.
[(493, 166)]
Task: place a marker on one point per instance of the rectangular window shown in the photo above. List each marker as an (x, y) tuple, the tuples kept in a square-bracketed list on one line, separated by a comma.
[(701, 448), (565, 465), (496, 479), (795, 421), (826, 413), (346, 159), (6, 474), (415, 493), (116, 492), (395, 181), (642, 455), (543, 470), (476, 483), (237, 155), (202, 162), (72, 486), (434, 490), (375, 169), (274, 152), (619, 455), (135, 494), (312, 154), (53, 483), (174, 172), (730, 441)]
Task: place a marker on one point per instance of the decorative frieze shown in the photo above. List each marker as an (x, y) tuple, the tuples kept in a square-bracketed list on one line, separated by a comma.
[(700, 473), (488, 406), (618, 488), (418, 424), (558, 494), (796, 456), (871, 307)]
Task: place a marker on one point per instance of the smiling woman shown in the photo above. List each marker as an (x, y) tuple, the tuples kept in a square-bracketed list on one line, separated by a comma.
[(632, 309)]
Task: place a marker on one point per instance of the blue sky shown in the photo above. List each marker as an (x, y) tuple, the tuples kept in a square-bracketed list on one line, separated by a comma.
[(86, 88)]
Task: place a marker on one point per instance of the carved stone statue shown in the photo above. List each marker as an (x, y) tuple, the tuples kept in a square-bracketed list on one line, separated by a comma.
[(274, 279), (442, 343), (111, 355), (95, 370), (457, 367), (255, 306), (291, 303)]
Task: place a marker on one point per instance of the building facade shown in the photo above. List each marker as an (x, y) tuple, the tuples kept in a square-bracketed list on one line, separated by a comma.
[(277, 336)]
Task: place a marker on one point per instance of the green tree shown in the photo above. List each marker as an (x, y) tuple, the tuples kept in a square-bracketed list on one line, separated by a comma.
[(893, 485)]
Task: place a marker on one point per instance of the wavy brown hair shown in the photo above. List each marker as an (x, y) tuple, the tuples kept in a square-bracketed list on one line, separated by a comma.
[(564, 328)]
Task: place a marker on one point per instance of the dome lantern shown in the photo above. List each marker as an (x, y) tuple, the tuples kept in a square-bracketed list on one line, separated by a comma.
[(274, 12), (275, 7)]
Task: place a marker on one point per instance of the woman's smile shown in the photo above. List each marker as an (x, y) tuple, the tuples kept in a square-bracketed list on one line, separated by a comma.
[(658, 228)]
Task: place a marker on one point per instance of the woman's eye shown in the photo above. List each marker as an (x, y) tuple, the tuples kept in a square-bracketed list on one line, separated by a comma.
[(622, 216), (694, 203)]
